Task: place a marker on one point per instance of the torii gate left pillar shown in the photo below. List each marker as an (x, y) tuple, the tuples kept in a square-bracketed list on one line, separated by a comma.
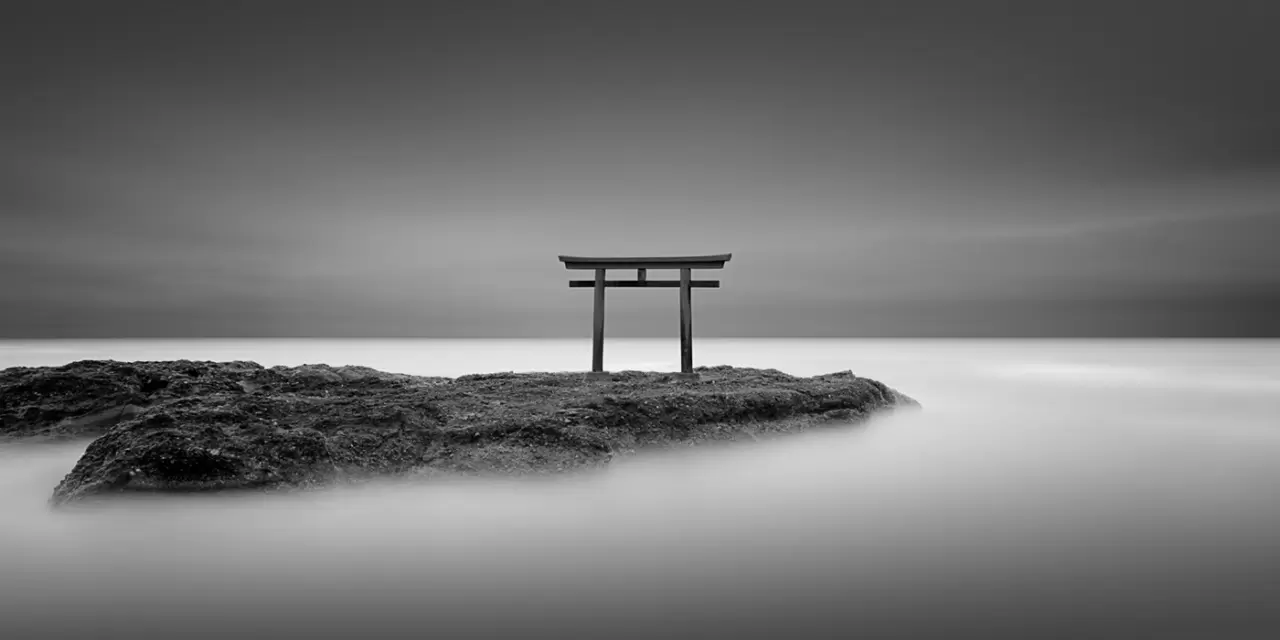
[(686, 284)]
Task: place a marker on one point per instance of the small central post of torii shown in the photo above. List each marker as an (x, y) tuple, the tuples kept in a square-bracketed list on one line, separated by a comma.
[(686, 284)]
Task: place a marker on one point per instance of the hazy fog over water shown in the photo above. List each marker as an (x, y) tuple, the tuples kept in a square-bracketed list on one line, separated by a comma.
[(1094, 489)]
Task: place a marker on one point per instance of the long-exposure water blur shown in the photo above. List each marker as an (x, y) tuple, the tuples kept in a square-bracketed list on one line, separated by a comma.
[(1093, 489)]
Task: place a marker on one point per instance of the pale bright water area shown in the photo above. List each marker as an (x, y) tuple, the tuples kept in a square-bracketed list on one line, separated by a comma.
[(1081, 489)]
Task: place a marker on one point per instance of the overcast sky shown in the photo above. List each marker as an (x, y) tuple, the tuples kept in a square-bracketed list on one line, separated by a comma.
[(945, 168)]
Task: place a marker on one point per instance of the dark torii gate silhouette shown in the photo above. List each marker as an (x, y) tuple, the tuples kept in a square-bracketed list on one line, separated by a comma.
[(686, 283)]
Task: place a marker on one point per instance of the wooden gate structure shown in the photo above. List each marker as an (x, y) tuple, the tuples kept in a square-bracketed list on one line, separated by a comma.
[(686, 284)]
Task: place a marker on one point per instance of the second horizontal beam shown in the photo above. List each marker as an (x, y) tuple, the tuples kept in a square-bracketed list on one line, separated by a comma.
[(696, 284)]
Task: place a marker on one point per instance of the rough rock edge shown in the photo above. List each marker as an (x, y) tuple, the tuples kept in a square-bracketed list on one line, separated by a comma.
[(184, 426)]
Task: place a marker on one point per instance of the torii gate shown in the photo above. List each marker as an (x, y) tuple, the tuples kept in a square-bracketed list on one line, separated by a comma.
[(686, 264)]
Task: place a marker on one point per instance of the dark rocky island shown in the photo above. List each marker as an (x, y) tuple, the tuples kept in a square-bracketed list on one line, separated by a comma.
[(207, 426)]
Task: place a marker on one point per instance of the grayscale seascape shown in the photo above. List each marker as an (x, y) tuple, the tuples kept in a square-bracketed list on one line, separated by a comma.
[(581, 319), (1076, 488)]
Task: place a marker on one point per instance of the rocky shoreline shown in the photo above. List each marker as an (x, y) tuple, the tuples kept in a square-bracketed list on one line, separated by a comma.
[(183, 426)]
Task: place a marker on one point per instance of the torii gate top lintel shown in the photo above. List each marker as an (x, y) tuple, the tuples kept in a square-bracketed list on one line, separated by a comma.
[(686, 264), (663, 262)]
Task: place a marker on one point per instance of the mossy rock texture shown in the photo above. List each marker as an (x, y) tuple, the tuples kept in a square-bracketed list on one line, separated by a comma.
[(185, 426)]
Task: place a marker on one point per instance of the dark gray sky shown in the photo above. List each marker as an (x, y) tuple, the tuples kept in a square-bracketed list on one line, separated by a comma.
[(943, 168)]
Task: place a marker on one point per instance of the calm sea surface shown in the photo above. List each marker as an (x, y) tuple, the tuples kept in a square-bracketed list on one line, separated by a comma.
[(1082, 489)]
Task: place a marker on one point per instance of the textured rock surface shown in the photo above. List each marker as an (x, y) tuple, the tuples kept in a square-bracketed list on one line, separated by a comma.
[(198, 426)]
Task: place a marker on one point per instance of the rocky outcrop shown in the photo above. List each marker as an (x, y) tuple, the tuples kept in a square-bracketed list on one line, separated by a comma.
[(200, 426), (86, 398)]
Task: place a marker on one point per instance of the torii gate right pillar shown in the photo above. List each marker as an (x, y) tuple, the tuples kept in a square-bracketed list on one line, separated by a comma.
[(686, 321)]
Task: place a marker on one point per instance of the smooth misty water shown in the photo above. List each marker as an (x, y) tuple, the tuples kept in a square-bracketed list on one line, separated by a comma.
[(1073, 489)]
